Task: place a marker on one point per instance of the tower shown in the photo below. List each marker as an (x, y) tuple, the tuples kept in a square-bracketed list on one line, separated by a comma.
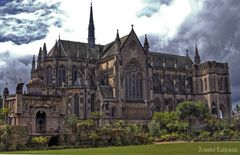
[(91, 30)]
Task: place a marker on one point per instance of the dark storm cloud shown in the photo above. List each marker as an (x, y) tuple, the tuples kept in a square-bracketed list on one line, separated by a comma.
[(216, 30), (13, 70), (25, 30), (152, 6)]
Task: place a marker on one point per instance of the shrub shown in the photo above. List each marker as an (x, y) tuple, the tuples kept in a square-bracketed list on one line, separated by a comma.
[(39, 142)]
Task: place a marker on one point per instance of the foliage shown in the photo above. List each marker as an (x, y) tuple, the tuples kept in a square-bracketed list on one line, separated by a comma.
[(86, 123), (39, 142), (6, 132), (154, 128), (71, 123), (3, 113), (96, 115), (164, 118), (192, 112)]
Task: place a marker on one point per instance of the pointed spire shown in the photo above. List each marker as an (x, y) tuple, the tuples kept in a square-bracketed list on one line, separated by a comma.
[(44, 50), (33, 62), (39, 58), (187, 53), (146, 44), (197, 59), (117, 39), (91, 30)]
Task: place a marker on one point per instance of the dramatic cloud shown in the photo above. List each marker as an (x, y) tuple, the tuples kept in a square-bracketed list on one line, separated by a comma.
[(12, 70), (152, 6), (216, 30), (24, 21)]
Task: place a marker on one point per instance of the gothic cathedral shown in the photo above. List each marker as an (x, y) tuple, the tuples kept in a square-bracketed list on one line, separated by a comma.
[(121, 80)]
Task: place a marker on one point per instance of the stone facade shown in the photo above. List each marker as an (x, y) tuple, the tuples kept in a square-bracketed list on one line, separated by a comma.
[(122, 80)]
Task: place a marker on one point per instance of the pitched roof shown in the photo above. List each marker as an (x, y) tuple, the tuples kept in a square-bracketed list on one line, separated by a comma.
[(170, 60), (63, 48), (109, 50), (106, 91)]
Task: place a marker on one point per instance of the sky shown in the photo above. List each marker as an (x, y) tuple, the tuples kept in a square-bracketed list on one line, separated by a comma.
[(172, 27)]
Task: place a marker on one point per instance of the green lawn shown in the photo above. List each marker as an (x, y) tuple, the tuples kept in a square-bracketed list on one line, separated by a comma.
[(207, 148)]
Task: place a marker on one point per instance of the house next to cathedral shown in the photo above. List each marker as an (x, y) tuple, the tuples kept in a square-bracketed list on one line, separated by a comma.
[(121, 80)]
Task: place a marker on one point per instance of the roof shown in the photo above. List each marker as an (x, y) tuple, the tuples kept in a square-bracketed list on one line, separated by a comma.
[(109, 50), (64, 48), (170, 60), (106, 91)]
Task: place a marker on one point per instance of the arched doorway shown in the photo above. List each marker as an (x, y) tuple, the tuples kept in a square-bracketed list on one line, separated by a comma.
[(40, 122)]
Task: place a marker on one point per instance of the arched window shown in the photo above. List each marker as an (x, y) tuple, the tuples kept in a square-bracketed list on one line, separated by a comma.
[(74, 75), (156, 82), (49, 75), (62, 75), (226, 84), (92, 99), (133, 82), (76, 105), (201, 86), (205, 81)]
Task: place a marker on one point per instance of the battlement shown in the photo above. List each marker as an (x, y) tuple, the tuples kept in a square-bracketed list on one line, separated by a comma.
[(211, 67)]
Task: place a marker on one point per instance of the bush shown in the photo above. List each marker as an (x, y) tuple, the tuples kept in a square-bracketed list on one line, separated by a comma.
[(168, 137), (39, 142), (117, 141), (154, 128)]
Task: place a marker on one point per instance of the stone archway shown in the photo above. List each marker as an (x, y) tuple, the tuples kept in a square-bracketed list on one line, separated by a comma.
[(41, 122)]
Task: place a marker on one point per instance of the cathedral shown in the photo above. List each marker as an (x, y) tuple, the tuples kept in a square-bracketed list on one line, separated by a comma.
[(123, 80)]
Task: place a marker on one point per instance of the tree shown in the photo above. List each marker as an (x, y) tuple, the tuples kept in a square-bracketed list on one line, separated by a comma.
[(193, 112), (6, 132), (165, 118), (72, 122)]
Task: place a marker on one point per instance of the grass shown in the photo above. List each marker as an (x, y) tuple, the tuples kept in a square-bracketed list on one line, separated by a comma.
[(208, 148)]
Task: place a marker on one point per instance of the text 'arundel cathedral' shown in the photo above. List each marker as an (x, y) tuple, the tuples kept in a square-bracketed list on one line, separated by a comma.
[(121, 80)]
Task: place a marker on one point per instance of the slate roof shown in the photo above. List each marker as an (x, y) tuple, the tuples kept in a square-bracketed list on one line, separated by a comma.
[(106, 92), (170, 60), (108, 49), (63, 48)]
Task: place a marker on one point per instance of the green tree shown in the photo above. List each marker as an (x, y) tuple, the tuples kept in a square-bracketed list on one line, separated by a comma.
[(193, 112), (165, 118), (6, 132)]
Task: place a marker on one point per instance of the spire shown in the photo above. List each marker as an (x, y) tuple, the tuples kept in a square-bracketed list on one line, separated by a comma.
[(33, 62), (187, 53), (39, 58), (117, 43), (91, 29), (44, 50), (197, 59), (146, 44), (117, 39)]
